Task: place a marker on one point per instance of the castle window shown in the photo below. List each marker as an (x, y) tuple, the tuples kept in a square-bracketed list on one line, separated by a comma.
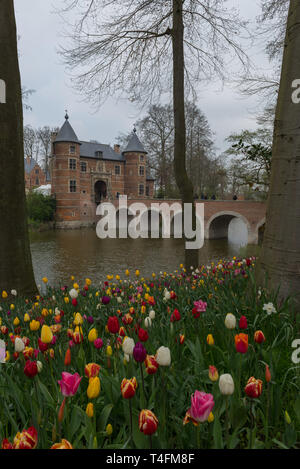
[(72, 149), (141, 189), (141, 170), (37, 181), (72, 163), (36, 171), (72, 186), (98, 154), (141, 158), (147, 190), (83, 166), (117, 170)]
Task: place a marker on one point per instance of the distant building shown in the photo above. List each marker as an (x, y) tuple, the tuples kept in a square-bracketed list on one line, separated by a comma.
[(83, 174), (34, 174)]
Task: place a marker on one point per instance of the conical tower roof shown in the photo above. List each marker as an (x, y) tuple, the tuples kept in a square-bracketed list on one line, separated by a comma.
[(66, 133), (134, 145)]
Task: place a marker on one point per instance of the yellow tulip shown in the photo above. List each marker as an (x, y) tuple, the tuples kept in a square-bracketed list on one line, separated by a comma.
[(16, 321), (127, 272), (108, 351), (46, 334), (90, 410), (34, 325), (4, 294), (93, 334), (26, 317), (45, 280), (137, 272), (211, 418), (88, 281), (12, 306), (210, 339), (94, 387), (78, 319), (109, 429)]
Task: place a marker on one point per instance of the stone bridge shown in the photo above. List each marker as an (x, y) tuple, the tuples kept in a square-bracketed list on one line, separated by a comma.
[(218, 214)]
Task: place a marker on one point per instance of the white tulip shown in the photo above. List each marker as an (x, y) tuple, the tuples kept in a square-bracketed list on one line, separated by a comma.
[(163, 356), (226, 384), (19, 345), (128, 346), (230, 321), (73, 293), (14, 292), (119, 299), (152, 314), (147, 322), (39, 366)]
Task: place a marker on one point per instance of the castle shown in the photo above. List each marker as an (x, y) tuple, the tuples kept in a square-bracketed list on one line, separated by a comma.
[(85, 173)]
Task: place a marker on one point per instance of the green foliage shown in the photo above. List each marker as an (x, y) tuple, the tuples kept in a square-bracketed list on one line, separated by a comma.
[(40, 208)]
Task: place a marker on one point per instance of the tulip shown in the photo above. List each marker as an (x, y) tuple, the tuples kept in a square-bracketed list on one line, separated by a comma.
[(230, 321), (46, 334), (93, 335), (128, 345), (128, 387), (34, 325), (109, 429), (201, 407), (90, 410), (148, 422), (19, 345), (98, 343), (64, 444), (213, 373), (151, 364), (226, 384), (27, 439), (253, 387), (210, 340), (69, 383), (241, 343), (147, 322), (287, 418), (113, 324), (94, 388), (211, 418), (152, 314), (267, 374), (175, 316), (143, 335), (109, 351), (91, 370), (139, 352), (30, 369), (243, 322), (163, 356), (259, 337), (68, 357)]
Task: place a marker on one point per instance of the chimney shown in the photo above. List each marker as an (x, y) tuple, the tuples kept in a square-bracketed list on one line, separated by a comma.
[(117, 148)]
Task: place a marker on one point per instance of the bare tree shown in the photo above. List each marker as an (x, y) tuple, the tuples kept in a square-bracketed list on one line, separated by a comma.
[(31, 143), (44, 136), (144, 48), (15, 267)]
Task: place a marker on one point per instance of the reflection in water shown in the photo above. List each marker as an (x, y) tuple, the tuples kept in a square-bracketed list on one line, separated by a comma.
[(60, 254)]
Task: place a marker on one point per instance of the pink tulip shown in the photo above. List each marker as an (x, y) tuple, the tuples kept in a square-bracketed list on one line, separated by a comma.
[(201, 406), (200, 306), (69, 383)]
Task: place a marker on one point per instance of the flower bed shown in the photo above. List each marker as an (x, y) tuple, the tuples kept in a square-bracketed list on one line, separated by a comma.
[(192, 359)]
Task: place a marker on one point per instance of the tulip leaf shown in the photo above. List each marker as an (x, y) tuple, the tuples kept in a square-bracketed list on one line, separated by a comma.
[(104, 417), (217, 434)]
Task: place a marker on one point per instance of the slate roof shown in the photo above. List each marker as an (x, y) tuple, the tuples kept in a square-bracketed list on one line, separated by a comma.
[(134, 144), (29, 166), (89, 149), (66, 133)]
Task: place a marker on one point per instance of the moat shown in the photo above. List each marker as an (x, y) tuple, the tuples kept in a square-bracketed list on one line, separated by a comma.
[(60, 254)]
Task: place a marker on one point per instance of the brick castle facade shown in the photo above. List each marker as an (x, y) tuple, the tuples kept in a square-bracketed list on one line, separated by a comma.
[(85, 173)]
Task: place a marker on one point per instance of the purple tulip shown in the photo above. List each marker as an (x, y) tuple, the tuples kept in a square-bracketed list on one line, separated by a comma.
[(139, 352), (105, 300)]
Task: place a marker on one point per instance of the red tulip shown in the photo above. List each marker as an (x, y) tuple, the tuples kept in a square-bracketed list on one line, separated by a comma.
[(30, 369), (113, 324), (267, 374), (254, 387), (259, 337), (42, 346), (143, 335), (27, 439), (68, 357), (128, 387), (148, 422), (241, 343), (91, 370), (175, 316), (243, 322), (151, 364)]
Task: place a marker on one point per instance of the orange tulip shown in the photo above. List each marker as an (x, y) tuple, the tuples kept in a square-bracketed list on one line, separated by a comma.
[(68, 357), (267, 374), (128, 387)]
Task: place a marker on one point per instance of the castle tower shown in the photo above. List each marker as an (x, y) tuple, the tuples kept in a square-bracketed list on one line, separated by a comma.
[(65, 174), (135, 168)]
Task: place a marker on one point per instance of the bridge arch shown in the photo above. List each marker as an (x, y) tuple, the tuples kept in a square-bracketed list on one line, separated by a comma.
[(218, 224)]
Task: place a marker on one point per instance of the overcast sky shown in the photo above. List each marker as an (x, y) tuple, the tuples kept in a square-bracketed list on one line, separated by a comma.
[(40, 31)]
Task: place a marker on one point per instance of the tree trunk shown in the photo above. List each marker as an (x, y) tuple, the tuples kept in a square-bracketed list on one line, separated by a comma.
[(183, 183), (15, 258), (279, 263)]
